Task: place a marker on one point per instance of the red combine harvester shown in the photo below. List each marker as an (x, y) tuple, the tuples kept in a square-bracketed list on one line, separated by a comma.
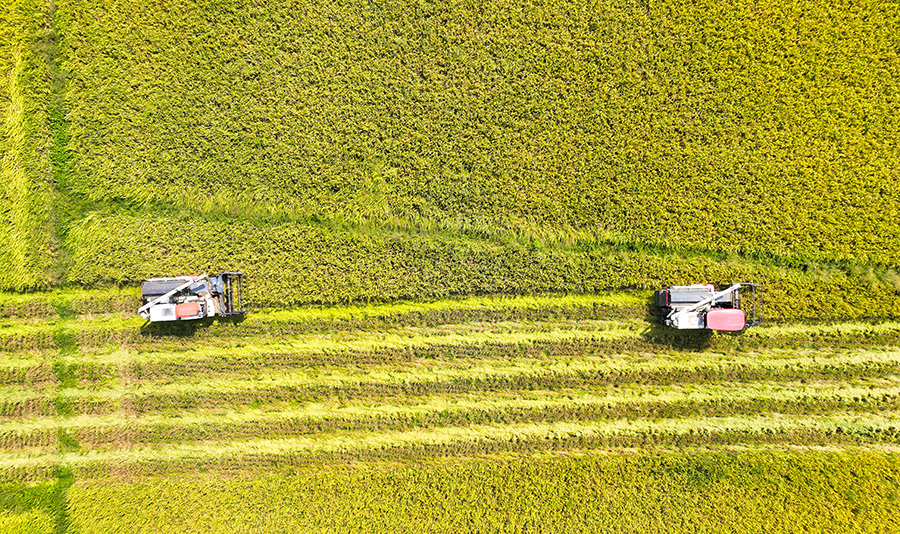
[(185, 298), (701, 306)]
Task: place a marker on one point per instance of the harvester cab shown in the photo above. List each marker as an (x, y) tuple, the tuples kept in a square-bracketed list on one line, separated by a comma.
[(185, 298), (704, 307)]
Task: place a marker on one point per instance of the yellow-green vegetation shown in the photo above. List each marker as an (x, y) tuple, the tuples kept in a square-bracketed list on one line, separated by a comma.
[(746, 492), (27, 195), (290, 263), (343, 151), (26, 523), (550, 386), (473, 201), (33, 508), (759, 128)]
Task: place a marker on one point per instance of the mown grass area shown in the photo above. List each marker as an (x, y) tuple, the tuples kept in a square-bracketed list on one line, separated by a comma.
[(684, 123)]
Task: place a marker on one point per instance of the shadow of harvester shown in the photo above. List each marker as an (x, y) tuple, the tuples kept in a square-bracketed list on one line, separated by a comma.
[(187, 329), (657, 333)]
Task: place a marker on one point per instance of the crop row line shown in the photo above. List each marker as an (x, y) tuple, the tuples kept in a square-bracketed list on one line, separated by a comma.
[(118, 329), (315, 418), (549, 341), (611, 366), (307, 350), (292, 388), (882, 427)]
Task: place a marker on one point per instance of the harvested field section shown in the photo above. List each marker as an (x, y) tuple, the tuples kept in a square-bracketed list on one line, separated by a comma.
[(432, 379), (546, 370), (436, 383), (589, 403), (837, 428)]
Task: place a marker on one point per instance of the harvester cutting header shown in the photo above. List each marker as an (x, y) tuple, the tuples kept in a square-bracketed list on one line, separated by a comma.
[(184, 298), (702, 306)]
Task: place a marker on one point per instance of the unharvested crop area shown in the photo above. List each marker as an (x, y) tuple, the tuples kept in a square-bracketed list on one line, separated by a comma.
[(422, 141), (451, 216), (27, 195), (688, 124)]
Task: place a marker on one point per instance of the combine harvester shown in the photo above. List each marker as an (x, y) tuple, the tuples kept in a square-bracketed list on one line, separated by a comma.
[(185, 298), (697, 307)]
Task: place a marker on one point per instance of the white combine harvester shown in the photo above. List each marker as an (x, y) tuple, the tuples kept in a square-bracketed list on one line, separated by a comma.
[(185, 298), (703, 307)]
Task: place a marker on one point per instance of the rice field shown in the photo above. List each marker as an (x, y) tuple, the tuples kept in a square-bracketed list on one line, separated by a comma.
[(92, 405), (451, 217)]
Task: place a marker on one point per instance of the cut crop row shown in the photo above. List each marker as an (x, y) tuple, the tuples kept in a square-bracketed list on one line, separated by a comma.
[(230, 366), (484, 439), (223, 351), (382, 384), (537, 349), (238, 362), (128, 432), (151, 402)]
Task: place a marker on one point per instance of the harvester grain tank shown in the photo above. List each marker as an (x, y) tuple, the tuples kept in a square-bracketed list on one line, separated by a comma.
[(186, 298), (702, 306)]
